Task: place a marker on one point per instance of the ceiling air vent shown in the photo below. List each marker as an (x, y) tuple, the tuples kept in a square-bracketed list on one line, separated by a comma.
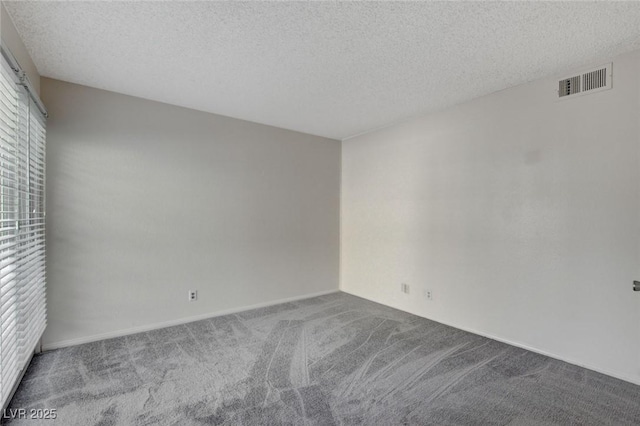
[(595, 79), (569, 86), (590, 81)]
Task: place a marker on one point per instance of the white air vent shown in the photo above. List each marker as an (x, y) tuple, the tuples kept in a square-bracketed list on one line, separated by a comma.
[(590, 81), (595, 79), (569, 86)]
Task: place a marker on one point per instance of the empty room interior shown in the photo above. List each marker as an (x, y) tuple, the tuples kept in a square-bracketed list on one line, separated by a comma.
[(320, 213)]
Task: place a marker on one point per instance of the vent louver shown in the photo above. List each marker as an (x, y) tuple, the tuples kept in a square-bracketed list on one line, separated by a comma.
[(569, 86), (590, 81), (595, 79)]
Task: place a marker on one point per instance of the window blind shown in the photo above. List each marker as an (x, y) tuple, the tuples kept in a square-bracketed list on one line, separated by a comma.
[(22, 229)]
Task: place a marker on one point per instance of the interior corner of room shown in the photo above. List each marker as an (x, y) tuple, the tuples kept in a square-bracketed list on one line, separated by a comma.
[(514, 216)]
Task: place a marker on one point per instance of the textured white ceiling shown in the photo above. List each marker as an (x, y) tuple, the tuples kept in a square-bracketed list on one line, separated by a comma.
[(326, 68)]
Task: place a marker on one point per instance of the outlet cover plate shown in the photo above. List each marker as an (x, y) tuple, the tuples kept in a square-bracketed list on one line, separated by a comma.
[(428, 294)]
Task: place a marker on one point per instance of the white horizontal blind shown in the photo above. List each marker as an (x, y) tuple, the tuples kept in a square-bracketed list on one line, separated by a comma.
[(9, 369), (30, 241), (22, 251)]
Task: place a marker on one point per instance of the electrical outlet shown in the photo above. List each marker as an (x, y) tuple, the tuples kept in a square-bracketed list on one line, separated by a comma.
[(428, 294), (193, 295), (405, 288)]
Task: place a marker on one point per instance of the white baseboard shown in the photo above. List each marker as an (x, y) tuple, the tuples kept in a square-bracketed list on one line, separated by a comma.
[(148, 327), (512, 343)]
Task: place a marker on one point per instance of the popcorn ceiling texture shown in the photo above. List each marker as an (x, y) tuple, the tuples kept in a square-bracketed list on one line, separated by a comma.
[(331, 69)]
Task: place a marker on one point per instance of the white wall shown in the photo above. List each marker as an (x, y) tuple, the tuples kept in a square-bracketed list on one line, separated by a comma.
[(520, 212), (146, 201)]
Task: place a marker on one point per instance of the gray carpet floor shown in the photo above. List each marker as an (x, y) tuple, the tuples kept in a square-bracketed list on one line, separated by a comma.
[(334, 359)]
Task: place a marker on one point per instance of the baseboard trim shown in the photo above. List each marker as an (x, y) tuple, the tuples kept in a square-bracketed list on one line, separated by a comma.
[(140, 329), (509, 342)]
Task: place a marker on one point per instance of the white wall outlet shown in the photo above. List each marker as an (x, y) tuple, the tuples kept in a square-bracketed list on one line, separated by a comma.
[(405, 288), (193, 295), (428, 294)]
